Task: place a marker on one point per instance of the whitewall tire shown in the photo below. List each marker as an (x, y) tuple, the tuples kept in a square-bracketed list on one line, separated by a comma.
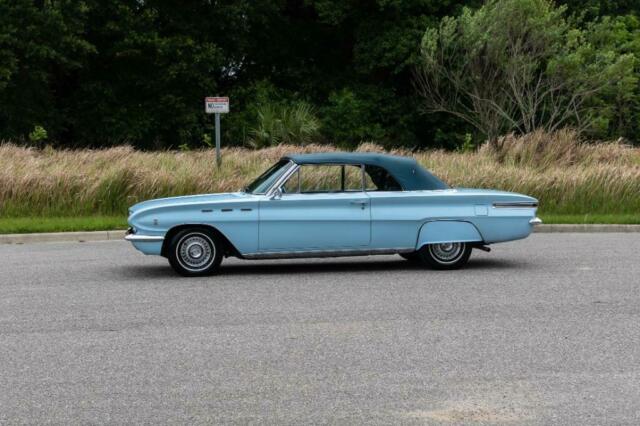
[(445, 255), (195, 252)]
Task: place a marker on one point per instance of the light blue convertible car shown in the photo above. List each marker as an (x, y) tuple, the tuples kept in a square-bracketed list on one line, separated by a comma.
[(332, 204)]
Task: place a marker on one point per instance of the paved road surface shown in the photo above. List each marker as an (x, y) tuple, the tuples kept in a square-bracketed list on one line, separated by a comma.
[(541, 331)]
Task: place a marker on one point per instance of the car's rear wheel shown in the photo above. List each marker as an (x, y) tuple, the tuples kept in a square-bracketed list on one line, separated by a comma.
[(445, 255), (195, 252)]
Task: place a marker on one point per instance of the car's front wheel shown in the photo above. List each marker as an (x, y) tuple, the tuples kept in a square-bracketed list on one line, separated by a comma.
[(195, 252), (445, 255)]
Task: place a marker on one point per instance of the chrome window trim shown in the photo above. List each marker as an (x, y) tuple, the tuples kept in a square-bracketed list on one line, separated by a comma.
[(285, 177), (515, 205)]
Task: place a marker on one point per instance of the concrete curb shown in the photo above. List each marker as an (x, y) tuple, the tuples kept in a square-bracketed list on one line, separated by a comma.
[(50, 237), (119, 234), (587, 228)]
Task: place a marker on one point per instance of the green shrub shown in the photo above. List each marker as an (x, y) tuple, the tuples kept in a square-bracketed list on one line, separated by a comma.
[(350, 119), (207, 141), (468, 145), (39, 134)]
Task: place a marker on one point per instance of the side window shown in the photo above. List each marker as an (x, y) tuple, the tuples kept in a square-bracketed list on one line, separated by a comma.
[(378, 179), (352, 178), (317, 178)]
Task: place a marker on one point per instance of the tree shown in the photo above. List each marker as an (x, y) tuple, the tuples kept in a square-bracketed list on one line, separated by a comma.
[(98, 73), (371, 96), (593, 9), (517, 65), (41, 48), (618, 106)]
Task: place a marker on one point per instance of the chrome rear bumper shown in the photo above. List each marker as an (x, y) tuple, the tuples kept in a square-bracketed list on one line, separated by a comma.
[(536, 221)]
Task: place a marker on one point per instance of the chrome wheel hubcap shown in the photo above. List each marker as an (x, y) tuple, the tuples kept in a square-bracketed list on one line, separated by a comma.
[(447, 252), (196, 252)]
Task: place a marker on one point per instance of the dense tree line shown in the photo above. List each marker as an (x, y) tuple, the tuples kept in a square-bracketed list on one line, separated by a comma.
[(97, 73), (522, 65)]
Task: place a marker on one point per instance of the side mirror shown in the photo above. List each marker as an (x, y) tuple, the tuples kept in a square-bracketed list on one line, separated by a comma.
[(277, 194)]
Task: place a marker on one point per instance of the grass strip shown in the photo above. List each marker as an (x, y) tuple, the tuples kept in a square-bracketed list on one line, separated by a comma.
[(575, 219), (25, 225)]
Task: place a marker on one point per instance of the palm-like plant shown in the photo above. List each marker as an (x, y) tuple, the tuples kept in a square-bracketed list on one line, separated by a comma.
[(294, 124)]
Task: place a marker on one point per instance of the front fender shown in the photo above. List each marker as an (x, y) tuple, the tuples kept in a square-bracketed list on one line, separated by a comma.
[(447, 231)]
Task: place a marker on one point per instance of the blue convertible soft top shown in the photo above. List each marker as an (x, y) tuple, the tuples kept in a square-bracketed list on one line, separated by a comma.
[(409, 174)]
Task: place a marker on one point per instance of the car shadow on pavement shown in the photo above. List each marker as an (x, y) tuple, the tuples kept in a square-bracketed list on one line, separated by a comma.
[(280, 267), (324, 267), (353, 267)]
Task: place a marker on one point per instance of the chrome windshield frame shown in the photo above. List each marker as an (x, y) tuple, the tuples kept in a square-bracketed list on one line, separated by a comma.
[(292, 167)]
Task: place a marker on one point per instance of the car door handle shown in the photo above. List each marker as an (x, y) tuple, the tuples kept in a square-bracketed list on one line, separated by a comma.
[(359, 203)]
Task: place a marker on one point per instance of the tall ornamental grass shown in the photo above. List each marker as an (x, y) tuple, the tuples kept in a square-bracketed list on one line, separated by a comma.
[(568, 177)]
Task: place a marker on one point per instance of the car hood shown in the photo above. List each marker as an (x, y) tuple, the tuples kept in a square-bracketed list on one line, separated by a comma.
[(188, 199)]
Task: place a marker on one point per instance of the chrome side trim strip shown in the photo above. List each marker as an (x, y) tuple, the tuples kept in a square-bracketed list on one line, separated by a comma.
[(143, 238), (536, 221), (516, 205), (326, 253)]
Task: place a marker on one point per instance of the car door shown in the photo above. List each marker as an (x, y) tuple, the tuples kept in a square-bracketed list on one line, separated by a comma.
[(322, 208), (396, 215)]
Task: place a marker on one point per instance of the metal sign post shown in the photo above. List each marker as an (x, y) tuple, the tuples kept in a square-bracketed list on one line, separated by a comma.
[(218, 156), (217, 106)]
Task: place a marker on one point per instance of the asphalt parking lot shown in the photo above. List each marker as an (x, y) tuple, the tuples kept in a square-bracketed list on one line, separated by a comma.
[(540, 331)]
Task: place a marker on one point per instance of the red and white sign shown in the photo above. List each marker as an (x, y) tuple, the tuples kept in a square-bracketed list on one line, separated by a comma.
[(216, 105)]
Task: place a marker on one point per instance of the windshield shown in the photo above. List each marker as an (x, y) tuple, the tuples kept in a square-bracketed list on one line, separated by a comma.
[(262, 184)]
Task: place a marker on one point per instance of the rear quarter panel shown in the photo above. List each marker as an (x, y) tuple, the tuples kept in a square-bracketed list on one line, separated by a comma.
[(397, 217)]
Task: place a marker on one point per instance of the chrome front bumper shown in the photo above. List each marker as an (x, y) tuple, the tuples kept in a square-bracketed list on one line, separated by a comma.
[(136, 238), (535, 221)]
